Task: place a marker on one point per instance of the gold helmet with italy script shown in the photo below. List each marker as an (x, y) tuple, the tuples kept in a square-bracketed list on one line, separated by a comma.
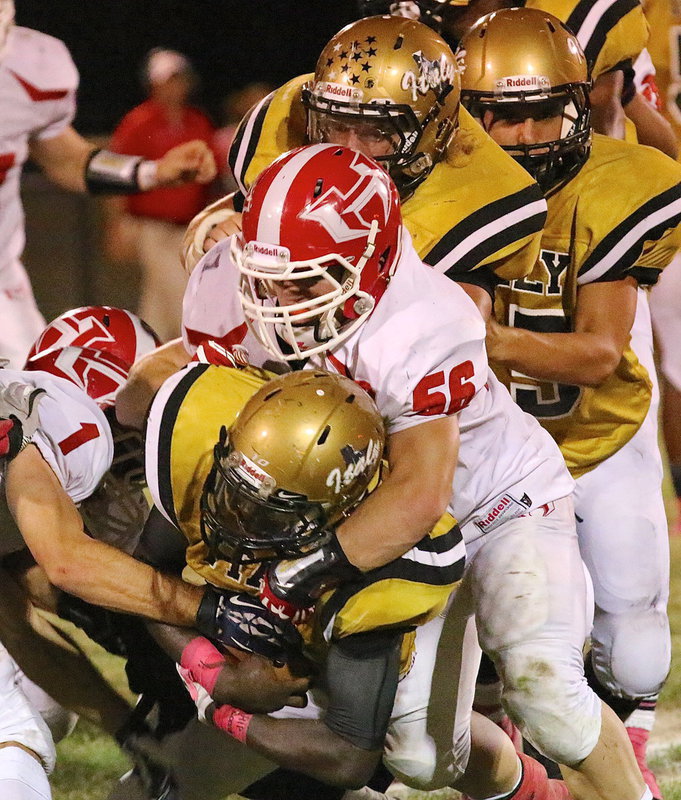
[(395, 83), (301, 453)]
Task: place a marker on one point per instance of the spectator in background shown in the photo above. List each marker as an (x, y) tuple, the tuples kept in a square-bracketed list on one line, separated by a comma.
[(38, 83), (148, 228), (235, 106)]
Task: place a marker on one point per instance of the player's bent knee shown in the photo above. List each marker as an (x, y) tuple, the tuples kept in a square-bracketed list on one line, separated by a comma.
[(421, 767), (558, 713), (632, 653)]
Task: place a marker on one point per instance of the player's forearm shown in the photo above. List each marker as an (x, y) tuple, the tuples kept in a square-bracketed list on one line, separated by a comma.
[(389, 523), (63, 159), (607, 114), (581, 359), (411, 498), (308, 746), (652, 129), (104, 576), (144, 380)]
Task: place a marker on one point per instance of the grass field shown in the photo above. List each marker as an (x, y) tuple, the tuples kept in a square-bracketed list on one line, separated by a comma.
[(89, 762)]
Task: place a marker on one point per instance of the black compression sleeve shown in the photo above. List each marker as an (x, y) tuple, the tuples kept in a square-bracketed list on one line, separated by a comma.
[(370, 661)]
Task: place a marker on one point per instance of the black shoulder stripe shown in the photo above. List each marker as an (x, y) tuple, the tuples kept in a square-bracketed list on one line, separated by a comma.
[(165, 438), (431, 574), (246, 140), (405, 569), (645, 276), (514, 233), (441, 544), (607, 21), (483, 243), (622, 247)]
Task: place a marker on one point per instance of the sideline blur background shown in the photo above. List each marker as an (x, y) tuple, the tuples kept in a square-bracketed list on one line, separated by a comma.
[(231, 44)]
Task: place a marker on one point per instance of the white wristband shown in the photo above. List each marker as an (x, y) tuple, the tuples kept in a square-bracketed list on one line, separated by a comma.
[(147, 175)]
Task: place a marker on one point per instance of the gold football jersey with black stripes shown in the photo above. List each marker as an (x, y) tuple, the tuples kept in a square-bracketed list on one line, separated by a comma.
[(610, 31), (477, 207), (401, 595), (182, 430), (183, 427), (619, 216)]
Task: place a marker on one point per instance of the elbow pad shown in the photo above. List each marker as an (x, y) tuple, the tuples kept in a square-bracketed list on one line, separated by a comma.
[(372, 661), (113, 173)]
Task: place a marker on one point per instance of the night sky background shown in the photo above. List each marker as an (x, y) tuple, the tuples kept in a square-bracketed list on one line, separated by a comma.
[(230, 43)]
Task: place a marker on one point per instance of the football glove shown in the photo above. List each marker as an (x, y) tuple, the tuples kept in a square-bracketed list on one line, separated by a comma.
[(241, 621), (290, 587), (19, 417)]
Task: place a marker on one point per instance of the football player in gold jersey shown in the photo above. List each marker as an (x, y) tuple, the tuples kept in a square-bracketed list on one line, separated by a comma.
[(562, 340), (612, 35), (388, 86), (301, 451), (665, 299)]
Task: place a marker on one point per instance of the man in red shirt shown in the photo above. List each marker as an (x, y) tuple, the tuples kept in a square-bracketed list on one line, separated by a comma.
[(152, 226)]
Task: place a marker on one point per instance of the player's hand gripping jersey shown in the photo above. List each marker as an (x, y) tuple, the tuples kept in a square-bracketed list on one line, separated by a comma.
[(38, 83), (612, 32), (476, 207), (183, 427), (633, 231), (73, 437)]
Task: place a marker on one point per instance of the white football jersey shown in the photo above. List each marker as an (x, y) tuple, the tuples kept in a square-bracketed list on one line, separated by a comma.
[(74, 438), (38, 82), (421, 354)]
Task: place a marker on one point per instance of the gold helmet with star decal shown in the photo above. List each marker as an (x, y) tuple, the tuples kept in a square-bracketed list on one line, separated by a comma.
[(302, 452), (397, 81)]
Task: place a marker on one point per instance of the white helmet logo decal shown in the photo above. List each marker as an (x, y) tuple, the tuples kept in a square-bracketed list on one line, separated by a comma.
[(85, 332), (351, 223)]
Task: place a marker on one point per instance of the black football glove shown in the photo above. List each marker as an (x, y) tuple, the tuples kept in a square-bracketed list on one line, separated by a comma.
[(290, 587), (241, 621)]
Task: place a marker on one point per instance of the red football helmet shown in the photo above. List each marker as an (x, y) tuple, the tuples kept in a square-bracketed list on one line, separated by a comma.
[(102, 328), (99, 374), (318, 212)]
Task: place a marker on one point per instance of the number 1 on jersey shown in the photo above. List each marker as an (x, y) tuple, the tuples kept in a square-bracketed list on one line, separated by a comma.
[(86, 433)]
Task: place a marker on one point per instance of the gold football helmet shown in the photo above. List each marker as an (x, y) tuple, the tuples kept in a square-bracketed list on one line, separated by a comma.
[(301, 453), (519, 57), (396, 77)]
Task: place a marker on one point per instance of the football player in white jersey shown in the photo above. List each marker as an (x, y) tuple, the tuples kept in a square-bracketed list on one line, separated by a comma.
[(58, 480), (38, 83), (327, 276)]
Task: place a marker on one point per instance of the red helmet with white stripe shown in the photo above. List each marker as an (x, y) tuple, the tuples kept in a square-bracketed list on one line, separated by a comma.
[(322, 233), (97, 373), (102, 328)]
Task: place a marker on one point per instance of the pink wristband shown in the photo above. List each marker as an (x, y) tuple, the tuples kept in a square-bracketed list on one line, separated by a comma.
[(233, 721), (204, 661)]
